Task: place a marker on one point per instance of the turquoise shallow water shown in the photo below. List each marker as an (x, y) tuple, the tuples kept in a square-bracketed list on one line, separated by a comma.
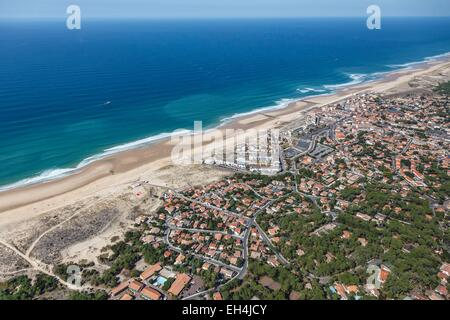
[(68, 97)]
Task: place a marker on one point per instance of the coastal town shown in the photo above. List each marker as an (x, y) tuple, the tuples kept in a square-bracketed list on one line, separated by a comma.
[(355, 206)]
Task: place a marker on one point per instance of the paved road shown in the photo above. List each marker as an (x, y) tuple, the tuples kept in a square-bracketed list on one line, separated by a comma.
[(407, 146), (210, 206), (267, 240), (250, 224), (210, 260), (172, 227), (240, 272)]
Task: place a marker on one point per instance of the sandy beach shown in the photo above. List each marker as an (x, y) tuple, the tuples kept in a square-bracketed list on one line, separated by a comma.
[(113, 173)]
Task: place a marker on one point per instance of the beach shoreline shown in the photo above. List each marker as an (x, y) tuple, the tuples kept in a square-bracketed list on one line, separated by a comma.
[(129, 165), (58, 172)]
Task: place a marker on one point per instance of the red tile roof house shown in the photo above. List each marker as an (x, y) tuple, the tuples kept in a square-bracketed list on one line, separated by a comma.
[(340, 290), (120, 288), (351, 289), (233, 260), (136, 286), (150, 294), (227, 273), (179, 260), (363, 241), (273, 231), (384, 274), (206, 266), (150, 271), (442, 290), (445, 268), (346, 234), (443, 277), (272, 261), (434, 296), (126, 297), (217, 296), (180, 282)]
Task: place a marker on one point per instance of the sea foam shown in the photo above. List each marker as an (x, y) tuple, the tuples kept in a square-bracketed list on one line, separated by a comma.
[(355, 78)]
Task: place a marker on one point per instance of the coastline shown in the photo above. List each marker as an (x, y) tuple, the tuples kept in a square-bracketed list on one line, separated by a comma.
[(58, 172), (128, 165)]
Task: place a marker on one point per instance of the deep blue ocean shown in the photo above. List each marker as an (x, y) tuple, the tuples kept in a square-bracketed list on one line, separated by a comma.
[(69, 95)]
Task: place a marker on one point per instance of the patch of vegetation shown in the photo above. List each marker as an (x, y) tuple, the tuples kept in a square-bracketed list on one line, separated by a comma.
[(97, 295), (23, 288), (443, 88)]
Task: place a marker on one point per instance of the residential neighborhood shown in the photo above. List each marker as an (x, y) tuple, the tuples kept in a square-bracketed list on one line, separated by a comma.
[(359, 211)]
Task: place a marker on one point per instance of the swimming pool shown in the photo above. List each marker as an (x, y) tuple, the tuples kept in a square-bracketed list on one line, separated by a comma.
[(160, 281)]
